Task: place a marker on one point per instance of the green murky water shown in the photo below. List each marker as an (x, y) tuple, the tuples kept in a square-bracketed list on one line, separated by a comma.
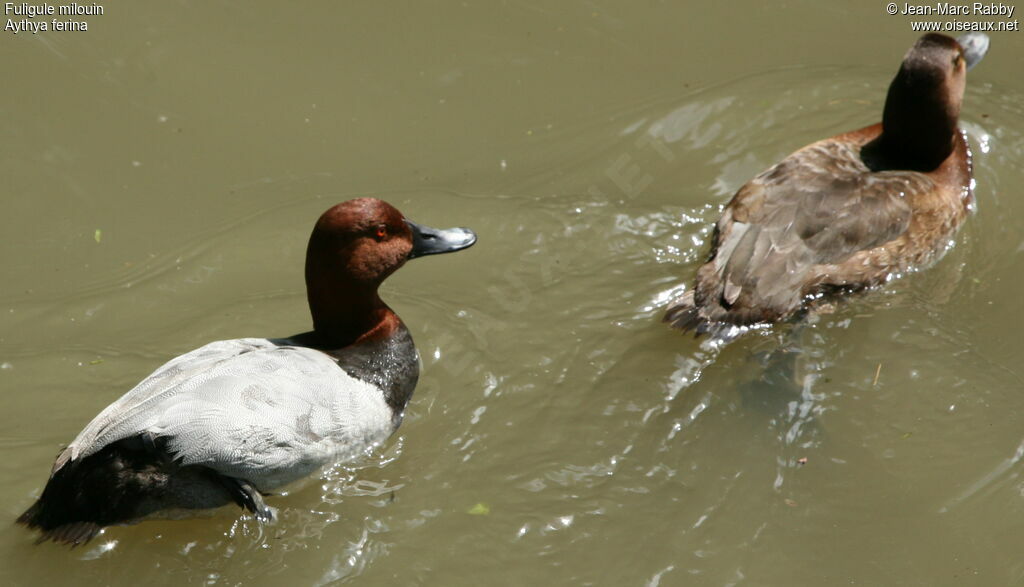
[(162, 171)]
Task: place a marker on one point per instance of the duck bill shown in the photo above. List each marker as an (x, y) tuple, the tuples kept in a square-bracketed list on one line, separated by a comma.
[(974, 46), (434, 241)]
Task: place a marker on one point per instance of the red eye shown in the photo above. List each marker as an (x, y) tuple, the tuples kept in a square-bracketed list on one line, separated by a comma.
[(381, 233)]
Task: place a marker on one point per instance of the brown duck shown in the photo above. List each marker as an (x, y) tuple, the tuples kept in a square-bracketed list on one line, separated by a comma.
[(847, 212)]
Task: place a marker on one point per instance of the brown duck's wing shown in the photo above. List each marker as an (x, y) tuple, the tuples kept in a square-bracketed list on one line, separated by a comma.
[(817, 207)]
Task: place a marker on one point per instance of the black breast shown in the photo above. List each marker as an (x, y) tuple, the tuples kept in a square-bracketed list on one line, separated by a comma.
[(391, 364)]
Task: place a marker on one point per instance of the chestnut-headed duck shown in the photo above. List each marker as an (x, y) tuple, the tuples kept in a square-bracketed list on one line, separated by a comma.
[(847, 212), (235, 419)]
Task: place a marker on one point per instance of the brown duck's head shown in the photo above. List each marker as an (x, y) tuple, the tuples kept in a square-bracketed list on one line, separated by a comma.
[(922, 107), (355, 246), (938, 64)]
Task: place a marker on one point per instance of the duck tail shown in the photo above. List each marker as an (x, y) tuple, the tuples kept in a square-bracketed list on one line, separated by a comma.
[(124, 482), (54, 515), (684, 314), (85, 495), (71, 533)]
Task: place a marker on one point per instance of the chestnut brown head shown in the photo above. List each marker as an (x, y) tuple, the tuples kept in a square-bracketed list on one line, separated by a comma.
[(364, 240), (354, 247)]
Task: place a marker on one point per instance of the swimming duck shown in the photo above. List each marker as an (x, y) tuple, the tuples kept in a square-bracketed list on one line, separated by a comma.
[(234, 419), (847, 212)]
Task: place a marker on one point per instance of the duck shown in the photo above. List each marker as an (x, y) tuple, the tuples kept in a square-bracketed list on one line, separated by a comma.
[(233, 420), (848, 212)]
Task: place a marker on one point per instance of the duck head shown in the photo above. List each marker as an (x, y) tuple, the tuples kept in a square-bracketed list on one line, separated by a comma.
[(919, 123), (354, 247)]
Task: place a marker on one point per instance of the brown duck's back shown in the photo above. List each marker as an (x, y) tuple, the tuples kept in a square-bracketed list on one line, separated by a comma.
[(819, 221)]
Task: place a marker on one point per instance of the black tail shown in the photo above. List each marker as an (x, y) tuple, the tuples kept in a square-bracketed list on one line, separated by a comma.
[(72, 533), (108, 487), (126, 481)]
